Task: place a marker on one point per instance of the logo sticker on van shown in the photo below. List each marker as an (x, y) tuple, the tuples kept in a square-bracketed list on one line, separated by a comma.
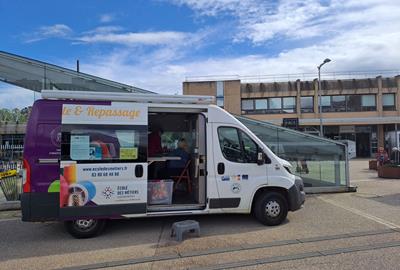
[(108, 192), (55, 136), (235, 187)]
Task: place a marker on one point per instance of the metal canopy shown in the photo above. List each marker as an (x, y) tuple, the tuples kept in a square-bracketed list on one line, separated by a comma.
[(37, 76)]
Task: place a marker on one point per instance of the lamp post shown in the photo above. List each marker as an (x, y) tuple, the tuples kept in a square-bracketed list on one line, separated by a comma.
[(321, 132)]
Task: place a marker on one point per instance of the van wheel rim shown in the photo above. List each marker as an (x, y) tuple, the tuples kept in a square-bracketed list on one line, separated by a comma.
[(273, 209), (85, 224)]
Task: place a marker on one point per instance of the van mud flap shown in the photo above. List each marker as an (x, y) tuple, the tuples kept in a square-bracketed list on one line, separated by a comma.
[(40, 206)]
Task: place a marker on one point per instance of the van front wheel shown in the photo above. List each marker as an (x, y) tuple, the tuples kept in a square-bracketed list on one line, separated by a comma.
[(85, 228), (271, 208)]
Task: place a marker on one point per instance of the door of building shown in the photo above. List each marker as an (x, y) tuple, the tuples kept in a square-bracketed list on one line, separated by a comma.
[(363, 146)]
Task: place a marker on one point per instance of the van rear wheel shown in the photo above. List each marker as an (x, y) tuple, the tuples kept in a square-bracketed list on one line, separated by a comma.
[(85, 228), (271, 208)]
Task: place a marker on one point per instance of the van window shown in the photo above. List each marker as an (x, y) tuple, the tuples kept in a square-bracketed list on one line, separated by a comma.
[(237, 146), (230, 144), (104, 143), (250, 148)]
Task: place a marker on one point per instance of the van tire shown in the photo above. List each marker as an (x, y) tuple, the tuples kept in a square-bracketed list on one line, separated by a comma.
[(85, 228), (271, 208)]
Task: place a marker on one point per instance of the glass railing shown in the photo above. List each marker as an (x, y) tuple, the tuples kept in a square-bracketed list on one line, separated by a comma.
[(320, 162)]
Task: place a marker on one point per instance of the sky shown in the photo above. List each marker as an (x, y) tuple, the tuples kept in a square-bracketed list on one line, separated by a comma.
[(157, 44)]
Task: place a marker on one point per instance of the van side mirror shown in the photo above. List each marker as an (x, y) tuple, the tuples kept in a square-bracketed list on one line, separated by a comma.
[(261, 158)]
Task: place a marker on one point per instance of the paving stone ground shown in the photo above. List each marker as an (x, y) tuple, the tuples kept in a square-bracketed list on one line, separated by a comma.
[(374, 207)]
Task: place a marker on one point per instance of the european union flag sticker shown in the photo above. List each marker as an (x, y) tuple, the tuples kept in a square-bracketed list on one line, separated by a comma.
[(225, 178)]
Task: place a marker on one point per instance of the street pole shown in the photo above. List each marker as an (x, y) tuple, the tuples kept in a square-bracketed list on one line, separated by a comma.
[(321, 130), (397, 138)]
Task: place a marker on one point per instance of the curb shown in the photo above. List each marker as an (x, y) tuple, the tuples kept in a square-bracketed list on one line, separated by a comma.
[(12, 205)]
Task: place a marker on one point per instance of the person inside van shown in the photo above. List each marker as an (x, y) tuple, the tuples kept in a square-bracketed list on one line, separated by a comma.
[(175, 167), (155, 147)]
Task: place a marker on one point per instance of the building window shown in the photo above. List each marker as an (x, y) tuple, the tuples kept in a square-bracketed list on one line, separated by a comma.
[(307, 104), (368, 103), (261, 104), (269, 105), (274, 104), (388, 102), (349, 103), (338, 103), (326, 103), (220, 94), (220, 102), (354, 103), (247, 104), (289, 104)]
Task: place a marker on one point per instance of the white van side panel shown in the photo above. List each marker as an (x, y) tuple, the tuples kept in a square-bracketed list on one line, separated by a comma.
[(267, 175), (239, 179)]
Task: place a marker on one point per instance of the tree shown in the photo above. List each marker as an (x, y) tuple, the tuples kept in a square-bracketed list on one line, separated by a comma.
[(15, 115)]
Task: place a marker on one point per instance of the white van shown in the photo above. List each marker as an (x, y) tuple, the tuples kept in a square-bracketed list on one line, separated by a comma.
[(91, 156)]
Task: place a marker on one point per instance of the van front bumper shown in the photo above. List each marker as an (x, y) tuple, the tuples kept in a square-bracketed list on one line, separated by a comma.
[(296, 195)]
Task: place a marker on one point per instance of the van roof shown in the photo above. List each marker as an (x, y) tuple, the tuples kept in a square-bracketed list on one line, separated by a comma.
[(127, 97)]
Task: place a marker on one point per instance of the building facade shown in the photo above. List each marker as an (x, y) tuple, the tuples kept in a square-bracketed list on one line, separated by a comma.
[(365, 111)]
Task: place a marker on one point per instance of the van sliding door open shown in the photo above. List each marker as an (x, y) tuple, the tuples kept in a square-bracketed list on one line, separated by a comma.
[(177, 157), (103, 169)]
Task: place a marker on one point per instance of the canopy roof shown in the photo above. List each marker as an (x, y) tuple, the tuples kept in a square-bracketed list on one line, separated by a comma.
[(37, 76)]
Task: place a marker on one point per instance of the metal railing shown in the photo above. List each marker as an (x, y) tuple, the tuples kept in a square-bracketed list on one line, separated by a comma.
[(10, 179), (11, 152), (295, 76)]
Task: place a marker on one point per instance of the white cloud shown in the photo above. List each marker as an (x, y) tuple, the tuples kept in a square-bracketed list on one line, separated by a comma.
[(16, 97), (106, 18), (103, 30), (51, 31), (261, 21), (216, 7), (130, 38)]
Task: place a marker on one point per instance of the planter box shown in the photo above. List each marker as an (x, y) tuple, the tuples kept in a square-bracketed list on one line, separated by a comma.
[(373, 165), (389, 172)]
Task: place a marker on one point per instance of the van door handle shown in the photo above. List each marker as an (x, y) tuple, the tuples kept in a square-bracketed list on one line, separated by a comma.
[(48, 160), (221, 168), (139, 171)]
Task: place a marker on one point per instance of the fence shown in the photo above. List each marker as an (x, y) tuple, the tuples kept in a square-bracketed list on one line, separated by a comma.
[(294, 76), (10, 178), (11, 152)]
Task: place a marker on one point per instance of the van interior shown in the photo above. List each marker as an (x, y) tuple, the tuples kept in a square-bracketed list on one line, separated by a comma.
[(176, 161)]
